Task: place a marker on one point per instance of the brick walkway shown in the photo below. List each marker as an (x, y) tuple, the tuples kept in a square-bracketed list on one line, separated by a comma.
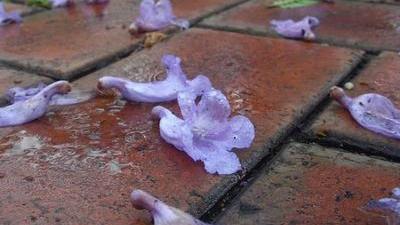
[(310, 162)]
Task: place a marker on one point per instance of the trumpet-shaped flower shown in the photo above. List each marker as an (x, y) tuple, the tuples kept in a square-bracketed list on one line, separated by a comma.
[(156, 16), (158, 91), (372, 111), (206, 133), (32, 108), (299, 29), (387, 207), (162, 213), (8, 17), (17, 94)]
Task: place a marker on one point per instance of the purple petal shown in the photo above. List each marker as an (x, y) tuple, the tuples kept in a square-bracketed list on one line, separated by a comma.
[(187, 104), (59, 3), (214, 106), (243, 132), (7, 18), (387, 207), (156, 16), (161, 212), (372, 111), (158, 91), (27, 110), (17, 94), (292, 29)]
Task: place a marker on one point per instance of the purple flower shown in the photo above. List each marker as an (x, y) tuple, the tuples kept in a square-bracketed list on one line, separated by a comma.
[(32, 108), (163, 214), (156, 16), (387, 207), (7, 18), (60, 3), (372, 111), (206, 133), (292, 29), (158, 91), (17, 94)]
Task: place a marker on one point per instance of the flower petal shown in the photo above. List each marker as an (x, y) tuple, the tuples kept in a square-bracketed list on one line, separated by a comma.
[(8, 17), (292, 29), (214, 106), (243, 132), (187, 105), (372, 111), (217, 158)]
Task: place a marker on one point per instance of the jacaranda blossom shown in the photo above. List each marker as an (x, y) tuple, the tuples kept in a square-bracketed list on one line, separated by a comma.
[(206, 133), (372, 111), (155, 16), (60, 3), (300, 29), (162, 213), (8, 17), (17, 94), (387, 207), (32, 108), (158, 91)]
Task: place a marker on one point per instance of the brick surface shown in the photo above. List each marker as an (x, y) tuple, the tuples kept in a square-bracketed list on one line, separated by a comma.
[(336, 124), (67, 41), (10, 78), (353, 24), (64, 166), (309, 184)]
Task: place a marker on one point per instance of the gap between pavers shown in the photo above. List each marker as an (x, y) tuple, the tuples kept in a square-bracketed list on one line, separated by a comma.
[(335, 124), (71, 165), (310, 184), (352, 24)]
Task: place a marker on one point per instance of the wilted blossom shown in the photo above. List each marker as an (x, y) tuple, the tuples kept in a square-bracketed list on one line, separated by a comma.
[(17, 94), (162, 213), (8, 17), (32, 108), (387, 207), (372, 111), (158, 91), (206, 133), (300, 29), (155, 16)]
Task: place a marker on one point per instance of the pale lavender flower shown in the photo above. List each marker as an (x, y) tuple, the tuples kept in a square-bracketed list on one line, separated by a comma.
[(387, 207), (372, 111), (30, 109), (60, 3), (299, 29), (155, 16), (158, 91), (205, 133), (162, 213), (17, 94), (8, 17)]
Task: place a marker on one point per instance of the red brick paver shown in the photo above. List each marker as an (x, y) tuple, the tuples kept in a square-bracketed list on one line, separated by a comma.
[(65, 42), (335, 123), (65, 166), (309, 184), (353, 24), (10, 78)]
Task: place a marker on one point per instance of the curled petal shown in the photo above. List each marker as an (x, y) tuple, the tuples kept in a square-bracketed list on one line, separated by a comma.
[(8, 17), (187, 104), (292, 29), (214, 106), (158, 91), (243, 132), (162, 213), (27, 110), (372, 111)]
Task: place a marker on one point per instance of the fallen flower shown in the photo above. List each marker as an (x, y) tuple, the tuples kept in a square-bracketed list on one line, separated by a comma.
[(155, 16), (8, 17), (372, 111), (162, 213), (206, 133), (158, 91), (292, 29), (60, 3), (17, 94), (32, 108), (387, 207)]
